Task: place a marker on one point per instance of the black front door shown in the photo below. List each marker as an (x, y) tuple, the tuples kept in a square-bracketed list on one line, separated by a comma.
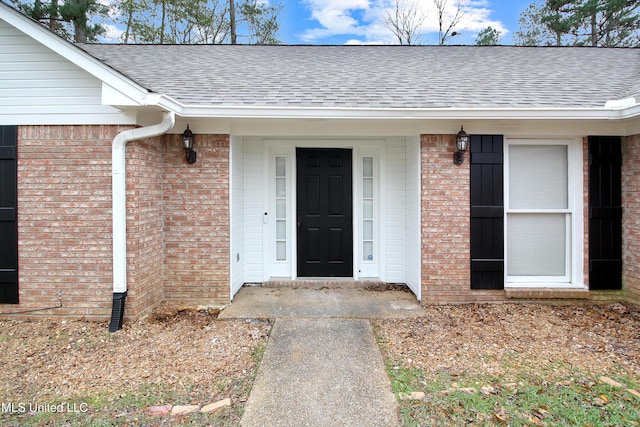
[(325, 217)]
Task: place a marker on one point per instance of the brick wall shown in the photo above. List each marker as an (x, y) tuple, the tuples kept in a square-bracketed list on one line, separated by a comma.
[(64, 219), (631, 218), (196, 227), (177, 221), (144, 226), (446, 226)]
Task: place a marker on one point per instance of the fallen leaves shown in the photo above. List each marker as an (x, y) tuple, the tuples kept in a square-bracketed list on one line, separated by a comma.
[(500, 414), (601, 401), (507, 338), (516, 356), (192, 352)]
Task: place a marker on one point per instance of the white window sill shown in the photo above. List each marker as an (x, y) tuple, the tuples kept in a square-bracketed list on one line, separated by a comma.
[(547, 285)]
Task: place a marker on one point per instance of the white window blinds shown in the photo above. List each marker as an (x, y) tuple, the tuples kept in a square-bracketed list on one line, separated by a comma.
[(538, 216)]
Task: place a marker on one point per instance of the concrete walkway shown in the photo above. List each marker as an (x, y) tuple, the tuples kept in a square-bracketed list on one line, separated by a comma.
[(322, 366), (321, 372)]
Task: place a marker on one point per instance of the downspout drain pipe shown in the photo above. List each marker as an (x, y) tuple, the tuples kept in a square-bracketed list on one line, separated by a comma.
[(119, 196)]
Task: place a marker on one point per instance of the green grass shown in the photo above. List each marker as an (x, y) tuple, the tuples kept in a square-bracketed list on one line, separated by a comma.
[(127, 409), (94, 410), (258, 352), (572, 398)]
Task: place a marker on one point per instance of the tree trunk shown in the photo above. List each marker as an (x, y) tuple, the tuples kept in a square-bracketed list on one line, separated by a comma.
[(79, 22), (162, 24), (594, 29), (127, 31), (80, 30), (232, 21), (54, 24)]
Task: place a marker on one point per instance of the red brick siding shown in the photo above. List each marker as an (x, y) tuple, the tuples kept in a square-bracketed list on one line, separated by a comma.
[(197, 225), (446, 226), (631, 218), (144, 226), (64, 219), (177, 221)]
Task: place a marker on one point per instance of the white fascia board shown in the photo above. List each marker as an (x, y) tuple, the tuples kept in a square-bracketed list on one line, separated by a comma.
[(72, 53), (207, 111)]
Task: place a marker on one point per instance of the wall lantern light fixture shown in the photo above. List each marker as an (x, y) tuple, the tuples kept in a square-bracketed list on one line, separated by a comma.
[(462, 143), (187, 143)]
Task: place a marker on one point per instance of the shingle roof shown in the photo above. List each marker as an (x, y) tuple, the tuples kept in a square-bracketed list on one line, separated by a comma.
[(380, 76)]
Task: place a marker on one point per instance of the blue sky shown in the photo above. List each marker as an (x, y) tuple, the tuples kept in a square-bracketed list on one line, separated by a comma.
[(358, 21)]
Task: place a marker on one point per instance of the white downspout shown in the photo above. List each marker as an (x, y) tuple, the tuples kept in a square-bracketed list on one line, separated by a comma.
[(119, 200)]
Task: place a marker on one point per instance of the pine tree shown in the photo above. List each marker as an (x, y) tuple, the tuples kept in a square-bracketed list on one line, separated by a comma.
[(602, 23), (71, 19)]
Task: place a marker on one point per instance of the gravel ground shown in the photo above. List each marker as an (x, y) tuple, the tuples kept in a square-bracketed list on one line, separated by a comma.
[(202, 359)]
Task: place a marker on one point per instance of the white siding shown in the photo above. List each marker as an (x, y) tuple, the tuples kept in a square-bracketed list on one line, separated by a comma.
[(413, 252), (253, 210), (237, 216), (393, 162), (400, 210), (38, 86)]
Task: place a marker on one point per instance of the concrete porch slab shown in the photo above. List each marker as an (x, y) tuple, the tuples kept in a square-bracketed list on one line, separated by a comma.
[(263, 302)]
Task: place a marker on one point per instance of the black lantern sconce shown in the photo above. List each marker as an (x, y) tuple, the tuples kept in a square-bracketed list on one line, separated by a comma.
[(187, 143), (462, 143)]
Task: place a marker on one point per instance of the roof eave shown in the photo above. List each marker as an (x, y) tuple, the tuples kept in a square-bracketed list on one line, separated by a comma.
[(347, 113)]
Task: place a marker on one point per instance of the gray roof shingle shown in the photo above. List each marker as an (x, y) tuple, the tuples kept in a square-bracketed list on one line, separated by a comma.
[(380, 77)]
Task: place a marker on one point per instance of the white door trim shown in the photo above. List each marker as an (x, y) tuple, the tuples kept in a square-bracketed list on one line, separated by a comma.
[(287, 147)]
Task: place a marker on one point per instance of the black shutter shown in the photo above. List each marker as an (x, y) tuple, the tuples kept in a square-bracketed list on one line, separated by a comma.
[(605, 212), (8, 216), (487, 212)]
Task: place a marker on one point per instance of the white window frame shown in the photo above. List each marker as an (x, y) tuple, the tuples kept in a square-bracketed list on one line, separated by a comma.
[(370, 147), (366, 268), (279, 268), (574, 261)]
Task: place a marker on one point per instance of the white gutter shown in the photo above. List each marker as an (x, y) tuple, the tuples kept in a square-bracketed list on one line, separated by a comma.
[(119, 196), (625, 108), (611, 111)]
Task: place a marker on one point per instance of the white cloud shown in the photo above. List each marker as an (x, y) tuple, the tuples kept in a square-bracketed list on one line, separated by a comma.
[(343, 17), (112, 35), (362, 19)]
